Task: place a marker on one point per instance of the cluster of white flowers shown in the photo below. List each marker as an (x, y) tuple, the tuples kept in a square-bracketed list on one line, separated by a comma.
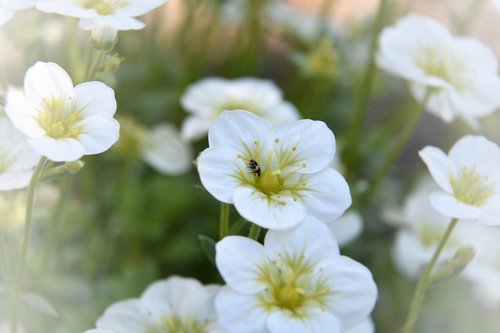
[(457, 75)]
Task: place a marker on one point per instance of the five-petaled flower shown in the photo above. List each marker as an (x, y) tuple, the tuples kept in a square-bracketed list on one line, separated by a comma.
[(458, 73), (63, 122), (119, 14), (274, 177), (206, 99), (296, 282), (469, 178)]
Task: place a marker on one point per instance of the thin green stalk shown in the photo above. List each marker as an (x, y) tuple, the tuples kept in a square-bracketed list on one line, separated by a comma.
[(94, 65), (464, 25), (224, 220), (30, 201), (254, 232), (424, 281), (365, 88), (4, 261), (401, 142)]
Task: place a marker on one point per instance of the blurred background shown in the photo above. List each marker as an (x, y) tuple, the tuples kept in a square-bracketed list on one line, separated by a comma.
[(107, 232)]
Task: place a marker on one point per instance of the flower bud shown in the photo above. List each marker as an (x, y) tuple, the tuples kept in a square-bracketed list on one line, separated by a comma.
[(103, 37)]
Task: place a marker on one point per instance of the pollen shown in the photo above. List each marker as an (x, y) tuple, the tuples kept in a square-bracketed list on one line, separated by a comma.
[(470, 187), (104, 7), (60, 119)]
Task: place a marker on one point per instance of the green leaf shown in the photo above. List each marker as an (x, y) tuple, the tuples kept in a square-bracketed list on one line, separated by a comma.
[(208, 247)]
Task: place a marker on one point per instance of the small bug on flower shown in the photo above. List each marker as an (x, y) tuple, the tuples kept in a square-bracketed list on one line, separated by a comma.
[(255, 167)]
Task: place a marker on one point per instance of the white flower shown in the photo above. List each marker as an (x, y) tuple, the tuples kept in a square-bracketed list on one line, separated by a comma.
[(116, 13), (347, 228), (459, 72), (163, 149), (206, 99), (366, 326), (274, 177), (17, 158), (496, 3), (421, 230), (296, 282), (9, 7), (469, 178), (172, 305), (63, 122)]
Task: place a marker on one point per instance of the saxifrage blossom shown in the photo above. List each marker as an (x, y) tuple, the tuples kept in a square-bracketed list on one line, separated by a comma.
[(296, 282), (63, 122), (274, 177)]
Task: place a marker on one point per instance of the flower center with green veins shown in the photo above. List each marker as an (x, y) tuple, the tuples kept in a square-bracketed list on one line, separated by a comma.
[(269, 182), (470, 187), (176, 325), (60, 119), (104, 7), (436, 62), (292, 286)]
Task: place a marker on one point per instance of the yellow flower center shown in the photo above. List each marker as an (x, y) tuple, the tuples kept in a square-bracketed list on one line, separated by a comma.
[(60, 119), (176, 325), (104, 7), (470, 187), (239, 104), (438, 62), (292, 286), (269, 182)]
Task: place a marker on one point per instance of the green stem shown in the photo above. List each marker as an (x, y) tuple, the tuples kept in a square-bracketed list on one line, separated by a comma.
[(94, 65), (4, 261), (254, 232), (365, 88), (224, 220), (424, 281), (401, 142)]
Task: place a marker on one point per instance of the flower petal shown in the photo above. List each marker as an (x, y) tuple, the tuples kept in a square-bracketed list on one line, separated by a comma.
[(63, 150), (347, 227), (238, 260), (440, 166), (194, 128), (272, 212), (95, 98), (99, 133), (316, 322), (449, 206), (15, 180), (22, 114), (124, 317)]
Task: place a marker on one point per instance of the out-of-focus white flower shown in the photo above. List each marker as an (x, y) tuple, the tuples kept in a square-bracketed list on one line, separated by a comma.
[(206, 99), (172, 305), (347, 228), (421, 230), (469, 177), (460, 73), (274, 177), (116, 13), (9, 7), (496, 3), (63, 122), (17, 158), (296, 282), (164, 150), (103, 37)]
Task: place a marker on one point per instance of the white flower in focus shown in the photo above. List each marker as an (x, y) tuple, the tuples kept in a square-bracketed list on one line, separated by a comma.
[(296, 282), (172, 305), (119, 14), (459, 72), (17, 158), (63, 122), (421, 230), (9, 7), (164, 150), (206, 99), (347, 228), (274, 177), (469, 177)]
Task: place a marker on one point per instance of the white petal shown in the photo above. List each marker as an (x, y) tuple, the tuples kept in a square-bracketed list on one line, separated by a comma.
[(47, 81), (204, 97), (311, 143), (5, 15), (124, 317), (117, 22), (99, 133), (14, 180), (218, 168), (235, 129), (283, 113), (312, 239), (449, 206), (271, 212), (139, 7), (163, 150), (490, 211), (238, 260), (355, 292), (366, 326), (316, 322), (63, 150), (22, 114), (95, 98), (63, 7), (194, 128), (439, 166), (240, 313), (347, 227), (327, 196), (18, 4)]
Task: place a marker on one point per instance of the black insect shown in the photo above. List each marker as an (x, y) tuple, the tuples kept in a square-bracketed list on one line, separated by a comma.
[(254, 167)]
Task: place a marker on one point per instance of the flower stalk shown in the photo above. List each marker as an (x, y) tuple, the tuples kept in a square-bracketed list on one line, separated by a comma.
[(224, 220), (424, 281)]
